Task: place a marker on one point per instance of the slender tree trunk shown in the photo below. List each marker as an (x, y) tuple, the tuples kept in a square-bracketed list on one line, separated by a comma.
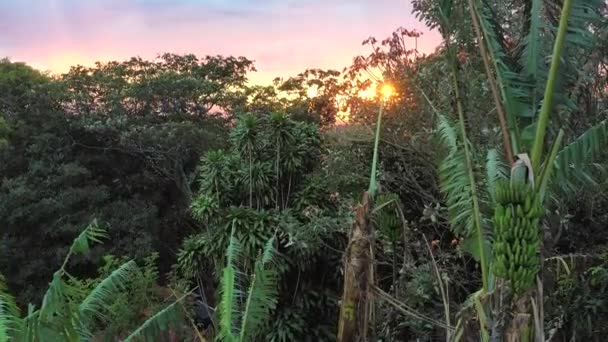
[(395, 264), (250, 180), (288, 192), (217, 191), (358, 275), (279, 198), (493, 86), (470, 167)]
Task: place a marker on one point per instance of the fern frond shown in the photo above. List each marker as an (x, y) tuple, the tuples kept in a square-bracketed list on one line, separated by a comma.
[(98, 299), (161, 322), (262, 296), (574, 163)]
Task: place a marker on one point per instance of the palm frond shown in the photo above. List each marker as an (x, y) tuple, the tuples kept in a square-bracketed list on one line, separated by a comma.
[(454, 180), (583, 14), (531, 54), (495, 171), (579, 42), (36, 330), (571, 33), (228, 308), (56, 299), (93, 233), (228, 305), (5, 321), (245, 134), (269, 252), (448, 134), (574, 164), (523, 72), (457, 182), (261, 299), (31, 326), (161, 322), (10, 320), (57, 306), (96, 301), (512, 88)]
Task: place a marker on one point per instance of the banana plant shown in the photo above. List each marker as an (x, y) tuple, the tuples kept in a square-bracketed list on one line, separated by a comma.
[(61, 318), (531, 90), (356, 307), (243, 311), (527, 92)]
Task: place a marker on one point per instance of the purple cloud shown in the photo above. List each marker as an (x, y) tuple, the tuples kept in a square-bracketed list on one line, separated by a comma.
[(283, 36)]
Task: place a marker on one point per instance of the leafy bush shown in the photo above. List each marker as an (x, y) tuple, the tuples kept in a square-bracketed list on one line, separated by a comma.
[(290, 201)]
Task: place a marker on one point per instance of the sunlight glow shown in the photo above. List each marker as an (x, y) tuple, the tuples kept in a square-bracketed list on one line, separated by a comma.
[(312, 91), (387, 91), (367, 94)]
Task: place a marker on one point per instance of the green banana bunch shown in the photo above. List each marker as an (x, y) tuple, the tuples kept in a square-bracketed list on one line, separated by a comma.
[(386, 217), (516, 234)]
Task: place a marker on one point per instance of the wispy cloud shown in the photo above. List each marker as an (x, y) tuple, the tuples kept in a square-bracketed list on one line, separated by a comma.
[(283, 36)]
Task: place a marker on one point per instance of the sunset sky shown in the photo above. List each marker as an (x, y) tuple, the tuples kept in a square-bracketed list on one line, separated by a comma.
[(284, 37)]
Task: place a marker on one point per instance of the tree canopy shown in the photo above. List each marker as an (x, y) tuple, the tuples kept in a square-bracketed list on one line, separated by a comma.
[(217, 208)]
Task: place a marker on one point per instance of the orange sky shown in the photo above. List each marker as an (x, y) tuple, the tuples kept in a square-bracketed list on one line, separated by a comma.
[(284, 37)]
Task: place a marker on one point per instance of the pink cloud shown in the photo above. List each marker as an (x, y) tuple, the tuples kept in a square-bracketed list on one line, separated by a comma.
[(283, 37)]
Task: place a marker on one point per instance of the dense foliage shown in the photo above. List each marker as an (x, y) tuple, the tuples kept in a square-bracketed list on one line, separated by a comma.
[(239, 197)]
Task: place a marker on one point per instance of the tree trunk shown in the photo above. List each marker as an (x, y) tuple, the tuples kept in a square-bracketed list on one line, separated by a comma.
[(521, 328), (358, 274)]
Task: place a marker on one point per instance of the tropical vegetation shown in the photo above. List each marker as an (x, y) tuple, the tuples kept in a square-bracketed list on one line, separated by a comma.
[(170, 199)]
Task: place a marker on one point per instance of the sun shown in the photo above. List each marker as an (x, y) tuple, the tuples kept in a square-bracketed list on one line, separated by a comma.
[(387, 91), (312, 91)]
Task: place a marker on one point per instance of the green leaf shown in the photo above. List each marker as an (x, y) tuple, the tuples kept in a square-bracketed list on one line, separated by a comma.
[(455, 181), (574, 164), (98, 299), (10, 321), (471, 246), (228, 307), (512, 88), (93, 233), (527, 137), (532, 52), (458, 182), (261, 299), (495, 171), (161, 322)]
